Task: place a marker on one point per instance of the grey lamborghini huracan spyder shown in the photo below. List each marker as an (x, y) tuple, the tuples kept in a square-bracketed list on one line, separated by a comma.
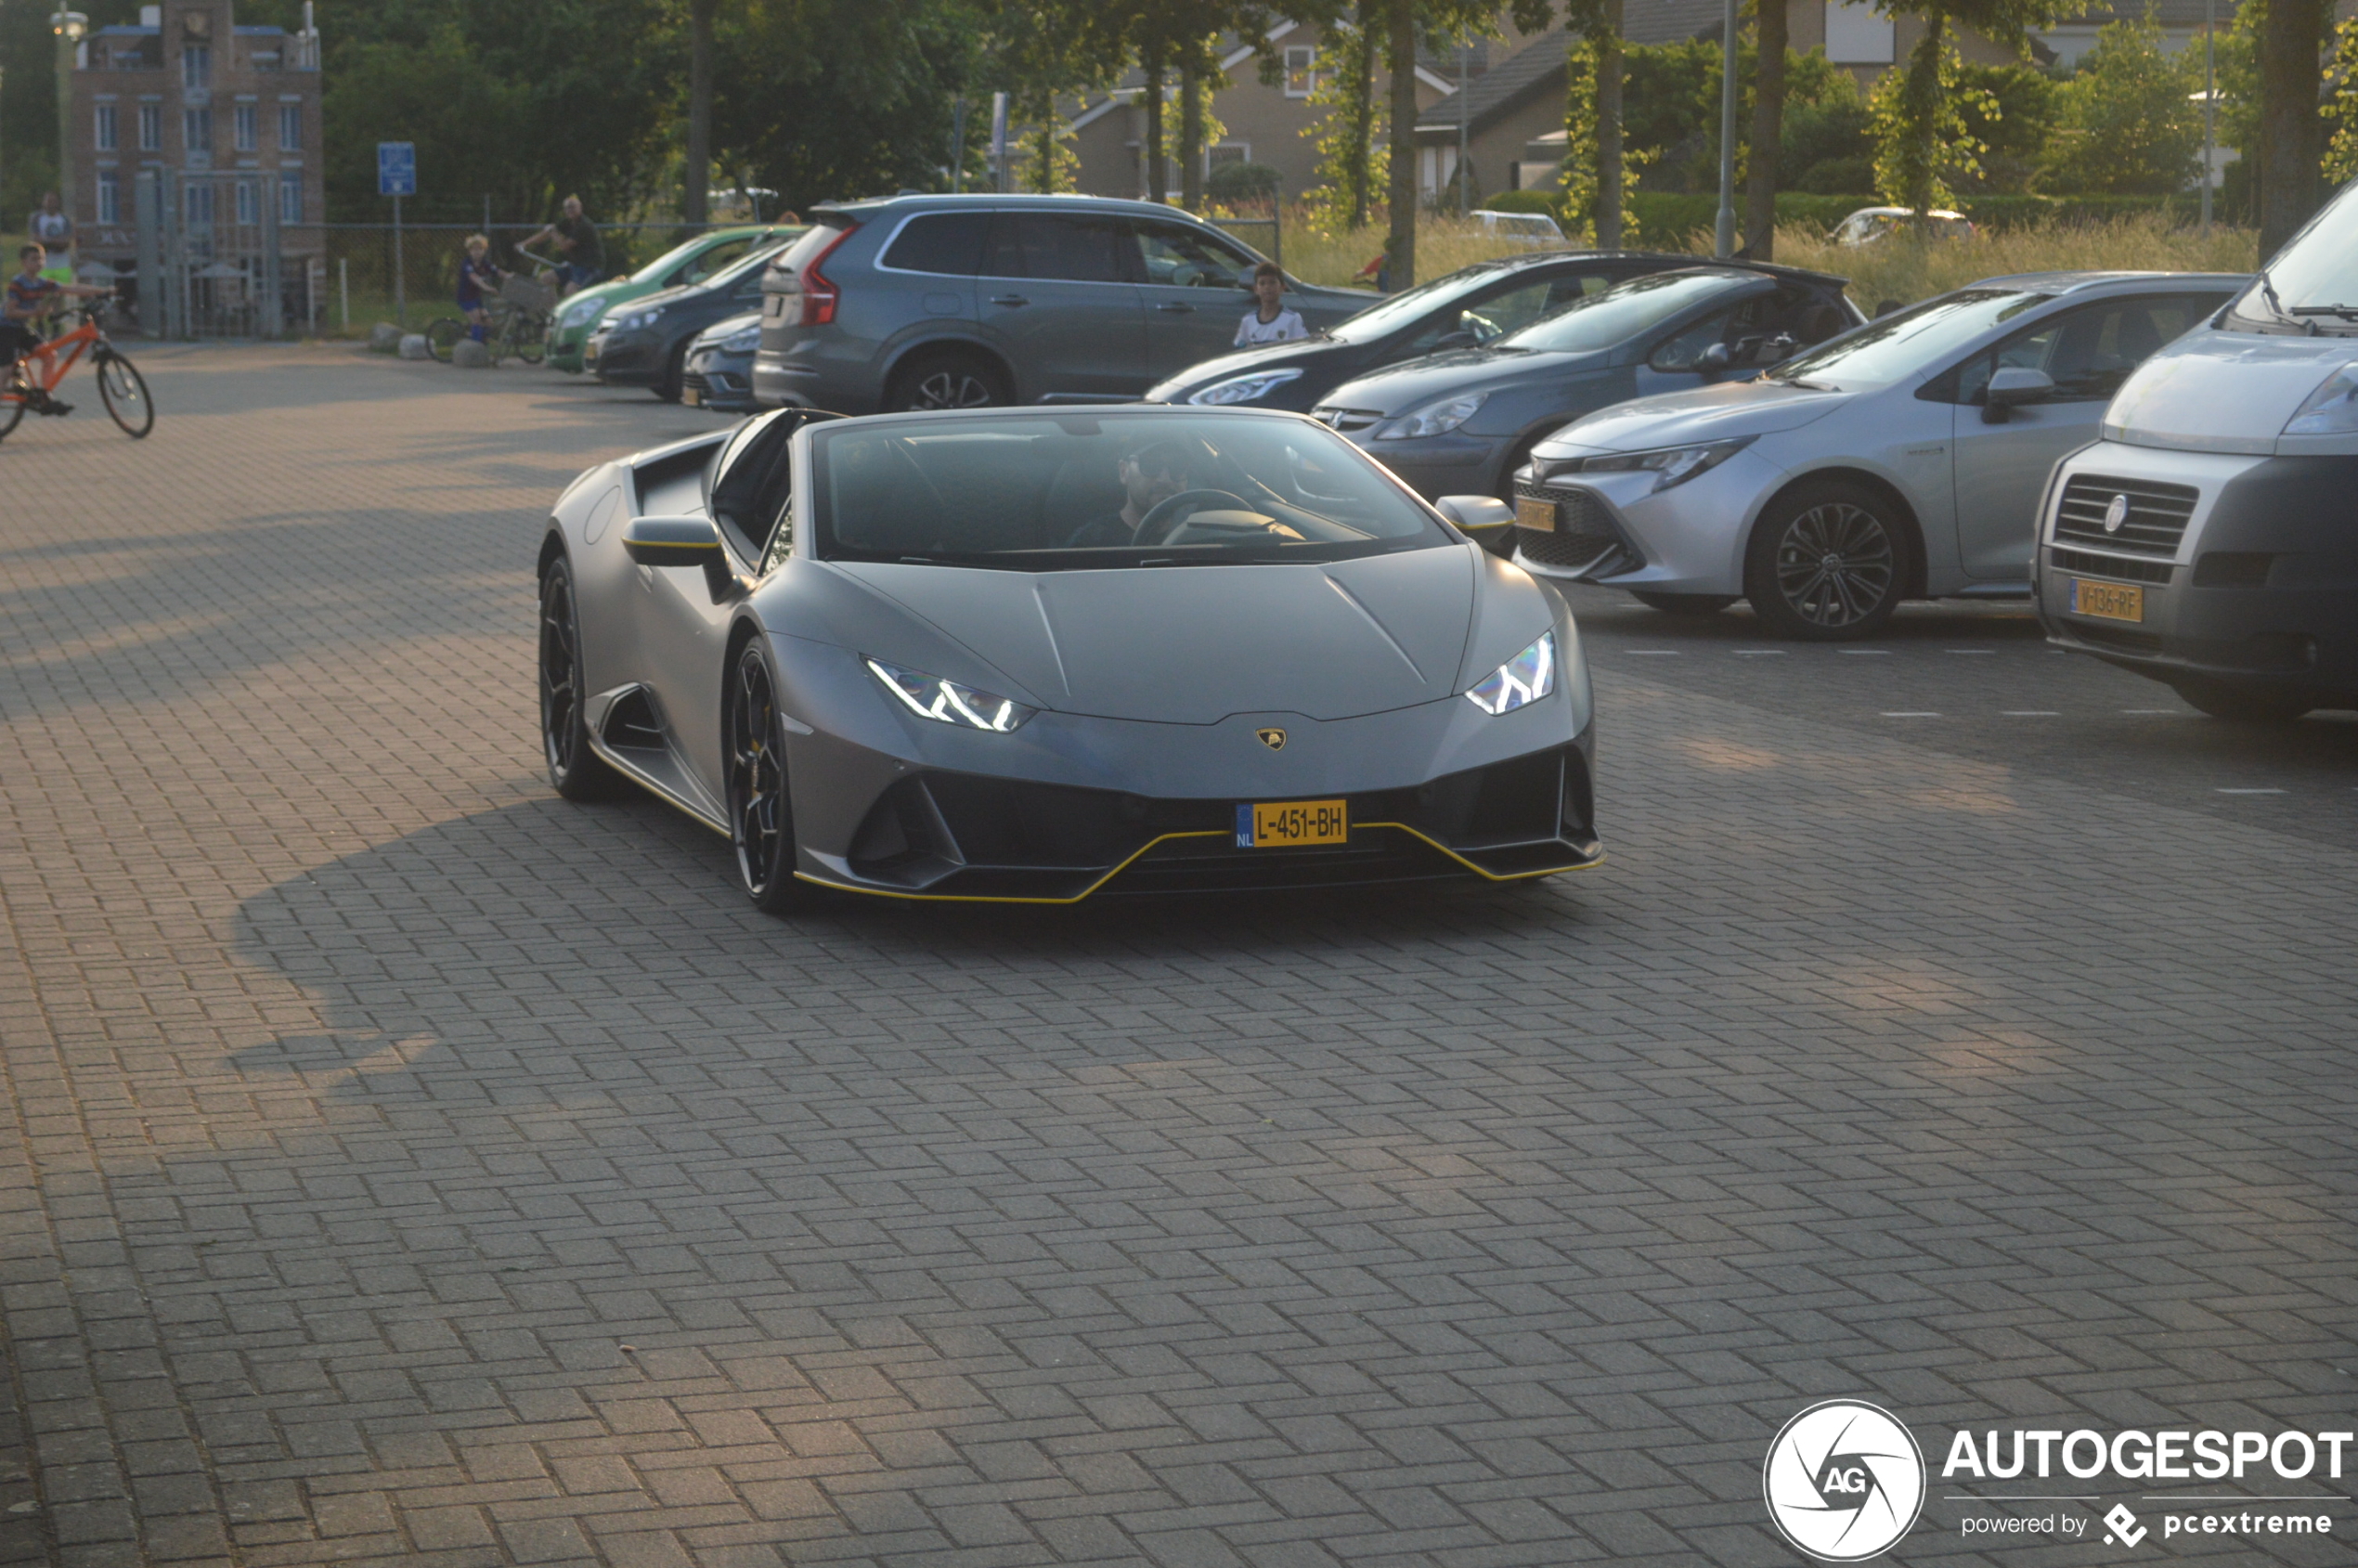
[(1029, 654)]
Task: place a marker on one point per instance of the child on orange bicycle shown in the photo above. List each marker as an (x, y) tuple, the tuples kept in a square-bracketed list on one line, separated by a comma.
[(29, 297)]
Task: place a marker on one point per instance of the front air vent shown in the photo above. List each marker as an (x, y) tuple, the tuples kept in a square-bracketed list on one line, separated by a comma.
[(2119, 568)]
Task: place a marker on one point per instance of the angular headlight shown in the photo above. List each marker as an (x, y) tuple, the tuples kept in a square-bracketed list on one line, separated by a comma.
[(581, 313), (636, 320), (1671, 465), (1526, 678), (2332, 410), (744, 341), (1244, 389), (1434, 418), (930, 696)]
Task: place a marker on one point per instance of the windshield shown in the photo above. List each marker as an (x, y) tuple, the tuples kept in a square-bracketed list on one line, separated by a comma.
[(656, 270), (1906, 343), (1068, 492), (1398, 310), (749, 262), (2315, 274), (1623, 311)]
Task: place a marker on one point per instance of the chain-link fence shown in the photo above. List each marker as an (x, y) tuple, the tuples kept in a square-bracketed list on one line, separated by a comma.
[(409, 275)]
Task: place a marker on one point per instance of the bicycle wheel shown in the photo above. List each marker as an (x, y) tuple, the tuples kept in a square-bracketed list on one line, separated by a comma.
[(11, 404), (125, 392), (532, 339), (497, 343), (443, 336)]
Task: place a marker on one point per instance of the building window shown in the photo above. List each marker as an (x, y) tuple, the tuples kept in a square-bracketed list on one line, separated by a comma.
[(151, 127), (1855, 34), (248, 129), (1301, 71), (289, 198), (196, 129), (197, 200), (109, 197), (290, 127), (196, 65), (103, 136), (247, 215)]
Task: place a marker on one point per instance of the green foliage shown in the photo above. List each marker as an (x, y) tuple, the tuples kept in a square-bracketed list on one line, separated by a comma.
[(2341, 105), (1917, 113), (2127, 125), (1241, 182), (1579, 208), (2011, 109), (1351, 169), (1825, 146)]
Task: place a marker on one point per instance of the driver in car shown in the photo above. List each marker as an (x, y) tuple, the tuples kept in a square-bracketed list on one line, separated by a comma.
[(1149, 476)]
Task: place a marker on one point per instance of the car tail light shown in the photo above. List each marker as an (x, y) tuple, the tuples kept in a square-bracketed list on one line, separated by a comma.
[(818, 295)]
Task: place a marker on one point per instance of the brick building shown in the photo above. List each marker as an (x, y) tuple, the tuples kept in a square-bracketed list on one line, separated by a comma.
[(225, 118)]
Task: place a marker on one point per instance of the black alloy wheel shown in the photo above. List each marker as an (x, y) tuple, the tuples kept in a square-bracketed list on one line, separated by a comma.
[(760, 816), (947, 381), (577, 771), (125, 392), (1827, 564)]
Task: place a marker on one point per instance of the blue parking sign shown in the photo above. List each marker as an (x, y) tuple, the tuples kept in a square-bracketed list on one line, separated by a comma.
[(396, 168)]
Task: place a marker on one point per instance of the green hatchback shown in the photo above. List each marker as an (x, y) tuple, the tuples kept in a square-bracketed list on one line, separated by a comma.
[(678, 268)]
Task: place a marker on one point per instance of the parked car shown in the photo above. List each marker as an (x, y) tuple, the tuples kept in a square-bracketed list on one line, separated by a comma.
[(645, 342), (1462, 309), (2204, 538), (1524, 228), (1903, 460), (718, 372), (1870, 224), (681, 267), (1461, 421), (939, 301)]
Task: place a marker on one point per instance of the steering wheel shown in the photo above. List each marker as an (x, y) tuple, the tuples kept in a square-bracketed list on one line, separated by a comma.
[(1164, 518)]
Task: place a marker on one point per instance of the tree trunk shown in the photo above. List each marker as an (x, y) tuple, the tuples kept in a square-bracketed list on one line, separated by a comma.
[(2291, 36), (1191, 136), (1400, 247), (1158, 165), (1608, 173), (1767, 132), (1363, 119), (696, 179)]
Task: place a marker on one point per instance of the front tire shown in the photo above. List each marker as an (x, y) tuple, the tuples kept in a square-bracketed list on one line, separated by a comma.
[(577, 771), (760, 813), (948, 379), (675, 376), (1827, 563), (125, 392), (2242, 705)]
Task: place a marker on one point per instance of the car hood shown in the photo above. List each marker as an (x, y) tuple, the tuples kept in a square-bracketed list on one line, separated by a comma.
[(1398, 388), (1196, 645), (2228, 392), (1268, 356), (1728, 411), (713, 334)]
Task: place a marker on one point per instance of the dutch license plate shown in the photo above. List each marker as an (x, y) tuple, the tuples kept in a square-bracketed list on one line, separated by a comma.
[(2112, 602), (692, 397), (590, 352), (1284, 825), (1536, 515)]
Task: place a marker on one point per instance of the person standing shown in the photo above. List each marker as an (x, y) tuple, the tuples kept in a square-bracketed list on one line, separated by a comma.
[(1269, 320), (53, 231), (577, 242)]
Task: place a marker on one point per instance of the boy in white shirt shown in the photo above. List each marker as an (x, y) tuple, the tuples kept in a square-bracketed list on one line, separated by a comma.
[(1269, 321)]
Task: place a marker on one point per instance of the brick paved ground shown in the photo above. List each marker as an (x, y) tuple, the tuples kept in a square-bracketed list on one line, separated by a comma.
[(407, 1165)]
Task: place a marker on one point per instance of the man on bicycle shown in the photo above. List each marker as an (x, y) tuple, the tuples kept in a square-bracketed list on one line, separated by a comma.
[(477, 276), (576, 239), (29, 297)]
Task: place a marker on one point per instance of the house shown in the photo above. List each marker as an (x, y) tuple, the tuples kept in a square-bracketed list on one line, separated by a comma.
[(196, 146)]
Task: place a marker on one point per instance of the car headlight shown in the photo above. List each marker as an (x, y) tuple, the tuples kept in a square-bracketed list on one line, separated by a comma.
[(1246, 388), (2332, 410), (581, 313), (742, 342), (1526, 678), (636, 320), (1671, 465), (1434, 418), (930, 696)]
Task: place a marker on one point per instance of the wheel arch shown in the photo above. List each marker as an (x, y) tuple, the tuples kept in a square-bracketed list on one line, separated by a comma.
[(552, 550), (954, 343), (1866, 479)]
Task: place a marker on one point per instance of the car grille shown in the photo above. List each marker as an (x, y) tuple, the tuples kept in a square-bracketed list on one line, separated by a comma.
[(2086, 565), (2155, 522), (1584, 528), (692, 382), (1348, 420)]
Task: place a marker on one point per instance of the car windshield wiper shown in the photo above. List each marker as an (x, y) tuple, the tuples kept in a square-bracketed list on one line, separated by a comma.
[(2276, 306), (2347, 312), (1803, 381)]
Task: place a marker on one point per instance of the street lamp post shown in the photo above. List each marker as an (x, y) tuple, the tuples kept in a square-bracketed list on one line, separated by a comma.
[(1724, 231), (69, 27)]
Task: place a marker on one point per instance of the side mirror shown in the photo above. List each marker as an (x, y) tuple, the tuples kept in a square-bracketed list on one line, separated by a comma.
[(1487, 520), (2012, 387), (682, 541)]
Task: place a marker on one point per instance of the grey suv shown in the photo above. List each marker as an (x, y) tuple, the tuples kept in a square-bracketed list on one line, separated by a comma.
[(960, 302)]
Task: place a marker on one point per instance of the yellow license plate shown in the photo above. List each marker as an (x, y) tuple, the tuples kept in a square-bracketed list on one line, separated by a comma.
[(2112, 602), (1286, 825), (589, 352), (1536, 515), (692, 397)]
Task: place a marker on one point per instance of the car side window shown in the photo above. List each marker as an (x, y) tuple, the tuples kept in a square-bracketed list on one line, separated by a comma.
[(1684, 349), (1179, 256), (712, 261), (752, 487), (2087, 353), (1494, 314), (948, 243), (1071, 248)]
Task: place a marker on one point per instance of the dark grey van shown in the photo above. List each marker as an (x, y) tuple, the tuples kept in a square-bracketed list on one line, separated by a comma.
[(961, 302)]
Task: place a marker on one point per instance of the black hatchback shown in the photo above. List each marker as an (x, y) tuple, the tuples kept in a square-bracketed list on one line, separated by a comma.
[(1462, 309), (644, 341)]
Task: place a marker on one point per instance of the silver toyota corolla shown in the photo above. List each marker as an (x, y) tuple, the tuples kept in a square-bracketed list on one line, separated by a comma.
[(1903, 460)]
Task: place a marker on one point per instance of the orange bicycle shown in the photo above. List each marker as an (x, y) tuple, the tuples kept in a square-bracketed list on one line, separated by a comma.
[(120, 387)]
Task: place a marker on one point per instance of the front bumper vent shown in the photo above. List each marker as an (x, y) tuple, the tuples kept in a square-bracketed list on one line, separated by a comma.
[(2150, 519), (1586, 536)]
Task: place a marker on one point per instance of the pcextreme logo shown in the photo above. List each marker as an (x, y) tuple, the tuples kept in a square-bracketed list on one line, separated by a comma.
[(1843, 1480)]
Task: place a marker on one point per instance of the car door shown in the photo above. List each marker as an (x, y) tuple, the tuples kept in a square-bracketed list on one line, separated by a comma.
[(1057, 295), (682, 632), (2002, 468), (1195, 288)]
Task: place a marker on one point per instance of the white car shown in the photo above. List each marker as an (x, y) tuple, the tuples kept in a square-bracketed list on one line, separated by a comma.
[(1905, 459), (1524, 228), (1870, 224)]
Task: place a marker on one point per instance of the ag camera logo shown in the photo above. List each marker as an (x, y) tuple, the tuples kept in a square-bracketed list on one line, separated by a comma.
[(1843, 1480)]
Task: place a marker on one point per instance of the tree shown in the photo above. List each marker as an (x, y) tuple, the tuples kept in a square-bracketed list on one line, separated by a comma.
[(2291, 39), (1400, 60), (1769, 32), (2128, 125), (1351, 167), (1921, 128), (696, 177), (2341, 106)]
